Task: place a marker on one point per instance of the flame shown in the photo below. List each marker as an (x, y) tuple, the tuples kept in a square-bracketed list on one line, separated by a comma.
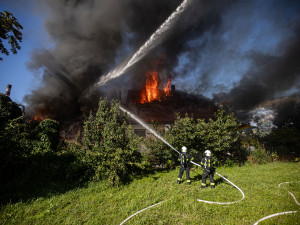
[(150, 91), (167, 88), (42, 115)]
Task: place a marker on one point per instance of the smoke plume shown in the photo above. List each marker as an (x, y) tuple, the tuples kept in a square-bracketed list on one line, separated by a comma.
[(241, 54)]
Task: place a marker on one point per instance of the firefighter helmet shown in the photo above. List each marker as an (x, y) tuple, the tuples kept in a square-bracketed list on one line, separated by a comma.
[(207, 153), (183, 149)]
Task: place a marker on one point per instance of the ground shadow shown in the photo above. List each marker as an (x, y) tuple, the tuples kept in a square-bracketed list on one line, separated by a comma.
[(198, 177), (16, 190)]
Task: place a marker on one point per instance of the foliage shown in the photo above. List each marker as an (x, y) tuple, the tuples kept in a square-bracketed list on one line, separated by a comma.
[(13, 138), (219, 135), (158, 154), (46, 136), (111, 150), (14, 148), (10, 29), (259, 156), (283, 140), (182, 133), (8, 110), (29, 155)]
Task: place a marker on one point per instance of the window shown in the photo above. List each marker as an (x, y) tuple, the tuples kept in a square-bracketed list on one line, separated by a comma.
[(140, 132)]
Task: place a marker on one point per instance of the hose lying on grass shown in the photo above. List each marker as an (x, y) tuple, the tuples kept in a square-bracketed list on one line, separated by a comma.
[(225, 203), (128, 218), (221, 203), (281, 213)]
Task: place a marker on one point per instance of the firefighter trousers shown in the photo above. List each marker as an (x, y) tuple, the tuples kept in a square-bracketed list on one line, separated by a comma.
[(187, 171), (211, 178)]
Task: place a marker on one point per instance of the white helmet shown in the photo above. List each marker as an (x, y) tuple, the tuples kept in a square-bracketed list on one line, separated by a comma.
[(207, 153), (183, 149)]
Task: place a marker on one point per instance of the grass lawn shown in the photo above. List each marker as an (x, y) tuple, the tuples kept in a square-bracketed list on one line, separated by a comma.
[(97, 204)]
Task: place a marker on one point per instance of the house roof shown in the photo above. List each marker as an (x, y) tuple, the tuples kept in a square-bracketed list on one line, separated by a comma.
[(165, 110)]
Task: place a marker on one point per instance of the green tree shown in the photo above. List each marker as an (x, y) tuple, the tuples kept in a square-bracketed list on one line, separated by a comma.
[(183, 134), (46, 136), (14, 143), (10, 30), (159, 154), (283, 140), (8, 110), (111, 150), (220, 135)]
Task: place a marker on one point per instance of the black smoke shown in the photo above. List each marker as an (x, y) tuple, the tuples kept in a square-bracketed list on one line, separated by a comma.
[(92, 37)]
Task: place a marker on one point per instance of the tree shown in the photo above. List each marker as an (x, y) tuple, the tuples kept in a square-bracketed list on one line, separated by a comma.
[(13, 138), (183, 134), (10, 29), (111, 150), (220, 135)]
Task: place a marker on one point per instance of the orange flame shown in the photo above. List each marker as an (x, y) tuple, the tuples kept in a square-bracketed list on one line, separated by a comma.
[(167, 88), (42, 115), (150, 91)]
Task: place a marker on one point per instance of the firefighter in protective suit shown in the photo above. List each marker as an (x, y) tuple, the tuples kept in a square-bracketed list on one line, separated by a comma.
[(185, 159), (208, 165)]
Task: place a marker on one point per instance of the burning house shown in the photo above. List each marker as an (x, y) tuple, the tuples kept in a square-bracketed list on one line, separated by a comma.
[(152, 104)]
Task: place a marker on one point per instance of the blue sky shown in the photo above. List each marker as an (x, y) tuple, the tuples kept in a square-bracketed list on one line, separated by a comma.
[(13, 67)]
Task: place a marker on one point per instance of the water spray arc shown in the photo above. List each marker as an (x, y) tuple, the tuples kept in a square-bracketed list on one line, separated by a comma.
[(147, 127), (155, 39)]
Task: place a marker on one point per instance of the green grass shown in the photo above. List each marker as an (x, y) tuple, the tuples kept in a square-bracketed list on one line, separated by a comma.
[(97, 204)]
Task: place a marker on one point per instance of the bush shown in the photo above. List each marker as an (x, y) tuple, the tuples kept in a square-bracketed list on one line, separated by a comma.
[(45, 136), (219, 135), (110, 148), (259, 156), (160, 155), (14, 148)]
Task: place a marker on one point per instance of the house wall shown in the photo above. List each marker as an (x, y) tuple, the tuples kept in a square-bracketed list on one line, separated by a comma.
[(139, 130)]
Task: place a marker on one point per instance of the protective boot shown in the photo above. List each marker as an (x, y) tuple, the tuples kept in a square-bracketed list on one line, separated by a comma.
[(203, 186), (189, 182), (212, 185), (178, 181)]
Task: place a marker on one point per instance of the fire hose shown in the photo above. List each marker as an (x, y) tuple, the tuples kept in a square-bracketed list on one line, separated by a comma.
[(222, 203), (281, 213), (128, 218), (200, 200)]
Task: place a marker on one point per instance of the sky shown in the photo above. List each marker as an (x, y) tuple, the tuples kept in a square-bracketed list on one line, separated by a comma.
[(13, 67), (241, 54)]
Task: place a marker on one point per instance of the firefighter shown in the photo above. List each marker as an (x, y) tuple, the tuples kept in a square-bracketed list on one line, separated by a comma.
[(208, 164), (184, 159)]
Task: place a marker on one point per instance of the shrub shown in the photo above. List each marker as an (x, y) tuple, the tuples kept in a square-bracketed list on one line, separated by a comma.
[(111, 150), (259, 156), (219, 135), (14, 148), (46, 136), (160, 155)]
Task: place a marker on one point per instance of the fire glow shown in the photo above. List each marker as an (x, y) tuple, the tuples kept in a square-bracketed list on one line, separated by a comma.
[(42, 115), (150, 91)]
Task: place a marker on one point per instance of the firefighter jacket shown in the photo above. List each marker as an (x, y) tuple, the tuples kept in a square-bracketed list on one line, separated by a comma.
[(185, 159), (208, 164)]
